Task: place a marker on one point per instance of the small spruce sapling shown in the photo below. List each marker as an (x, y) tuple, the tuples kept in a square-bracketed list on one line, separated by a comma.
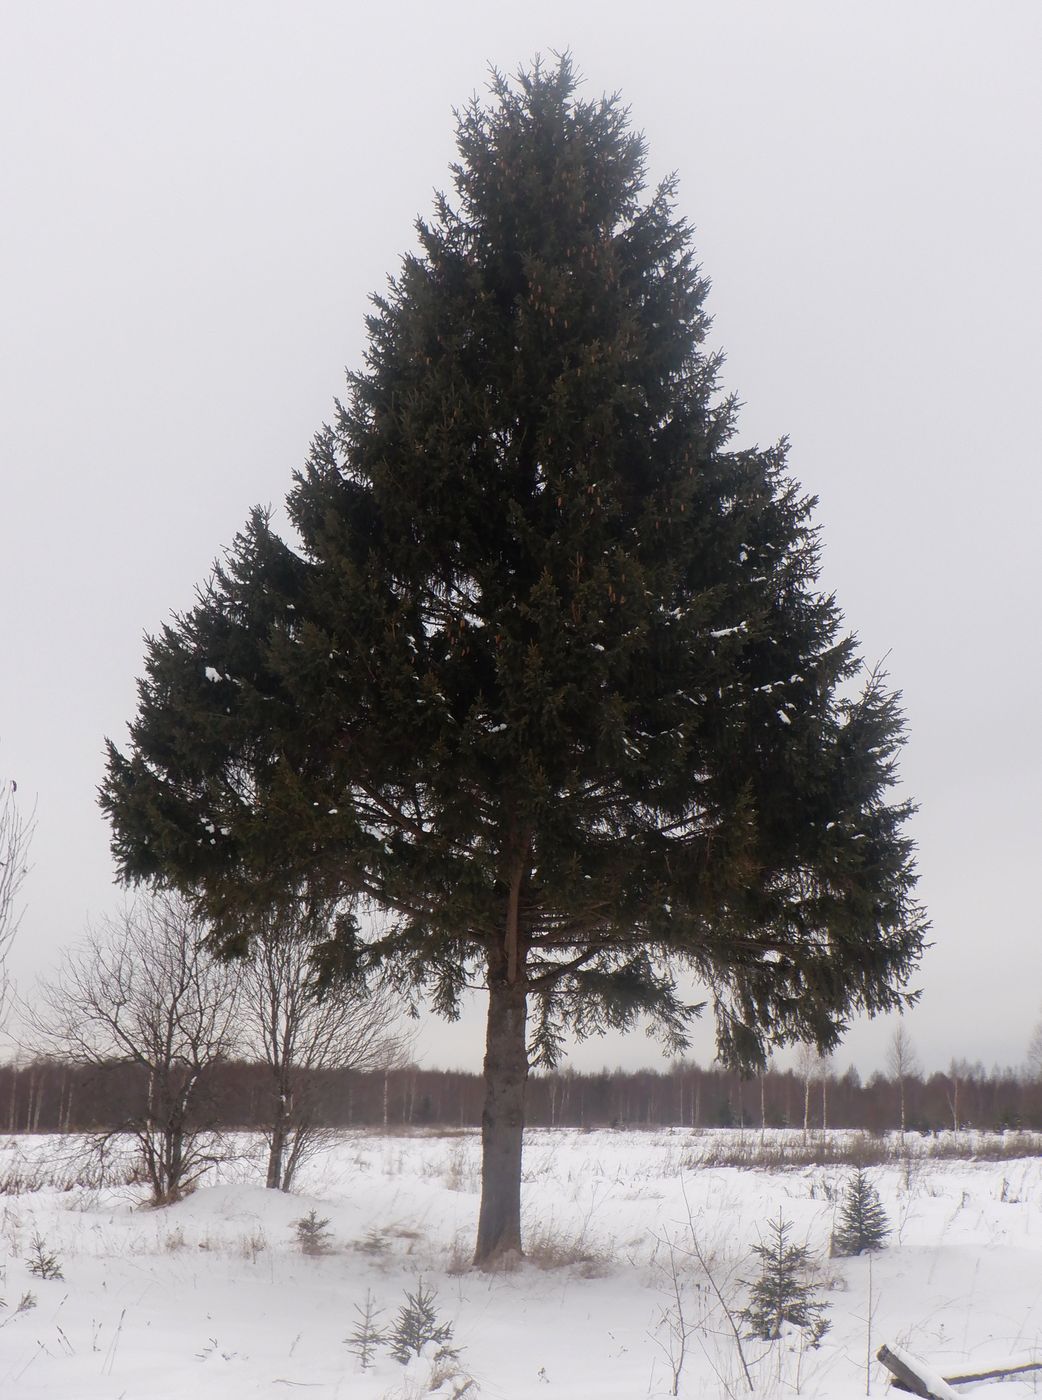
[(863, 1225), (367, 1334), (782, 1292), (313, 1234), (42, 1263), (417, 1324)]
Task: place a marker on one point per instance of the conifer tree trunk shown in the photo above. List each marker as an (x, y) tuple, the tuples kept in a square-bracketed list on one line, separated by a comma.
[(503, 1118)]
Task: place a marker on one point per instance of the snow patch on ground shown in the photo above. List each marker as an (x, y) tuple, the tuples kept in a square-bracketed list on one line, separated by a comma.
[(212, 1298)]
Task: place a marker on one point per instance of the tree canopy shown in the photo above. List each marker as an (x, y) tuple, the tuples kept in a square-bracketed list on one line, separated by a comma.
[(543, 687)]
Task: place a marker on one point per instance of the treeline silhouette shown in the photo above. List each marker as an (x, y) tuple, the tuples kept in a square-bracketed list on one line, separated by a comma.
[(46, 1096)]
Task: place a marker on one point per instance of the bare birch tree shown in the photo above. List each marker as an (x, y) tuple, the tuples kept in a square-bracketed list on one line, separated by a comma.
[(299, 1033), (902, 1063), (143, 990), (812, 1065), (826, 1064), (16, 830), (1034, 1060)]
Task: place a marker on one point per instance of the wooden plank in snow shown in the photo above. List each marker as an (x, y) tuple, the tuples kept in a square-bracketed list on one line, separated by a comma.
[(914, 1376)]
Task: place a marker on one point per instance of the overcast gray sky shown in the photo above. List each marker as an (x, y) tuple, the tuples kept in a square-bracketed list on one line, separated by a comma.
[(197, 199)]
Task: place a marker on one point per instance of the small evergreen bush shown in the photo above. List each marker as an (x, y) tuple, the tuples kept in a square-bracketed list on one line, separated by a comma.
[(367, 1334), (42, 1263), (863, 1225), (313, 1234), (782, 1292), (417, 1324)]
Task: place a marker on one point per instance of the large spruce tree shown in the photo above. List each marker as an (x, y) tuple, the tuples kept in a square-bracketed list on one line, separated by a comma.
[(543, 688)]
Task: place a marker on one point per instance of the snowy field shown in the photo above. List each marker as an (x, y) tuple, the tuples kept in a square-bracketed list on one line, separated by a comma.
[(214, 1298)]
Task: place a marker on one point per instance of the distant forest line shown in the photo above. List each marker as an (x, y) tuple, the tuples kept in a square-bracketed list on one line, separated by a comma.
[(49, 1096)]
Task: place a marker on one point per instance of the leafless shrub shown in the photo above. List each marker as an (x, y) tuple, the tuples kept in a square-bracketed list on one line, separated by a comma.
[(679, 1319), (16, 831), (253, 1244), (699, 1305), (774, 1154), (460, 1255), (854, 1149), (460, 1172), (448, 1378), (298, 1030), (985, 1147), (70, 1165), (549, 1248), (142, 990)]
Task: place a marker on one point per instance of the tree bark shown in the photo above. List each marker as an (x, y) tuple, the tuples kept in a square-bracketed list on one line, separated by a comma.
[(503, 1118), (299, 1139), (277, 1146), (806, 1106)]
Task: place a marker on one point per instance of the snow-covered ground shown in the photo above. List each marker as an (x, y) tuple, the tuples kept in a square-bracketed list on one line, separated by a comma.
[(213, 1297)]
